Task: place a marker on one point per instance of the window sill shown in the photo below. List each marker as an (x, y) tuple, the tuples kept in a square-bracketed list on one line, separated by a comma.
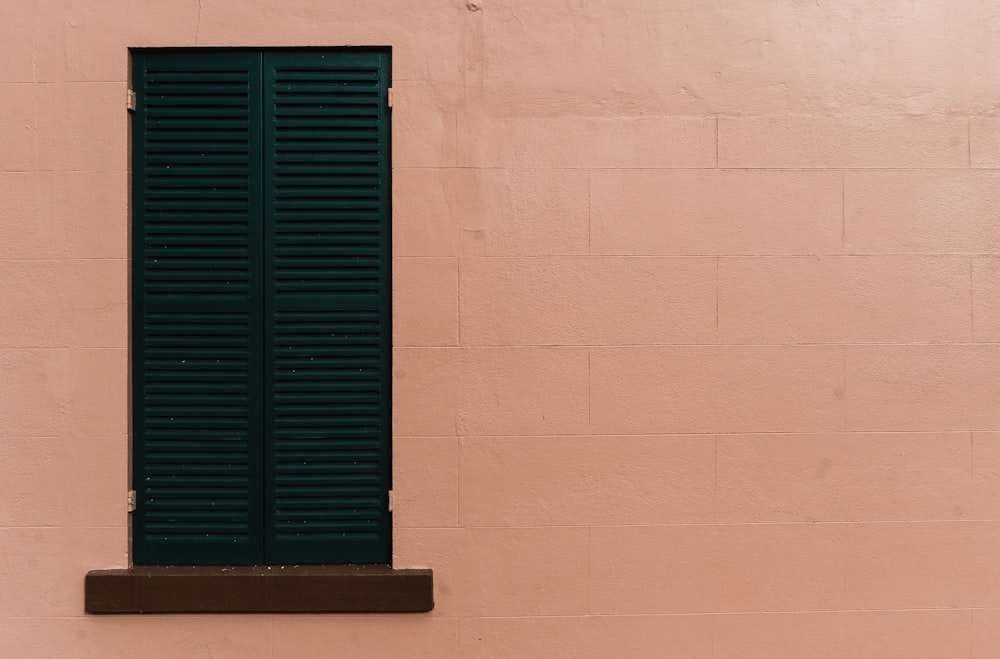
[(265, 589)]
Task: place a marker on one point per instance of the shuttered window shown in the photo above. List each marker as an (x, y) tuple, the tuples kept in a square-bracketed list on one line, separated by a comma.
[(261, 299)]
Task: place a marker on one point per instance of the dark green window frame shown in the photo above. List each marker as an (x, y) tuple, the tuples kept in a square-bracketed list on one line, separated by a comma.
[(261, 307)]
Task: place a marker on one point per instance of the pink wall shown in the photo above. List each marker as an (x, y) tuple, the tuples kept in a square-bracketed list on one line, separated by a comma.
[(697, 331)]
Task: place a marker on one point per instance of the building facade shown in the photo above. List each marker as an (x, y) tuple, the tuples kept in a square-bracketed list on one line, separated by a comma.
[(695, 325)]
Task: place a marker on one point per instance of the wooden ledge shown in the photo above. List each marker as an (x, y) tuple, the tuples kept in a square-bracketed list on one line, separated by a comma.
[(264, 589)]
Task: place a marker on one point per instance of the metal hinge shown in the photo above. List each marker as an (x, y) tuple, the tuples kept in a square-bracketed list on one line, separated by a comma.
[(130, 501), (130, 101), (389, 97), (390, 500)]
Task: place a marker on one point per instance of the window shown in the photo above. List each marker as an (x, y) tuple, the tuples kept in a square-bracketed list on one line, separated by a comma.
[(260, 307)]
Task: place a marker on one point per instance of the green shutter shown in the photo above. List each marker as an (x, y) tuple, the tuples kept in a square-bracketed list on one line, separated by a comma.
[(196, 308), (326, 330), (260, 324)]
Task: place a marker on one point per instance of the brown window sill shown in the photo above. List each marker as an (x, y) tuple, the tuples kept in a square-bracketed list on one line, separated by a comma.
[(273, 589)]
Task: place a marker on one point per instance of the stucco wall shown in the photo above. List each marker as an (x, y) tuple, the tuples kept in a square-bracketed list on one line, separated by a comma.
[(697, 325)]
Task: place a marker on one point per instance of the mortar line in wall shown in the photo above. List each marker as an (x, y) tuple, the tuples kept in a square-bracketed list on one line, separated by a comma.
[(63, 171), (843, 380), (843, 212), (715, 481), (629, 614), (34, 121), (847, 570), (718, 296), (789, 255), (458, 297), (590, 569), (69, 259), (717, 141), (972, 302), (679, 525), (972, 455), (972, 633), (425, 257), (628, 346), (590, 218), (62, 83), (669, 433), (49, 527), (632, 614), (714, 620), (458, 485), (590, 393), (54, 348), (597, 168)]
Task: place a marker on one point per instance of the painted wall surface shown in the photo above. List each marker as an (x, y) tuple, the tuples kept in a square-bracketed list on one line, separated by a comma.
[(697, 325)]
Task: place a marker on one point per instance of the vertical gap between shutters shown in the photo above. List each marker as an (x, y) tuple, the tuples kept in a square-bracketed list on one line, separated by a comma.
[(263, 311)]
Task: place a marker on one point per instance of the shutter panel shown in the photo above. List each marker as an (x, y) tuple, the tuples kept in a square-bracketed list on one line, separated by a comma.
[(196, 308), (326, 320)]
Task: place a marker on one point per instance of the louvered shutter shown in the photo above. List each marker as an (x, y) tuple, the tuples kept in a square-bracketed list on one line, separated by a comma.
[(261, 299), (196, 308), (326, 319)]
